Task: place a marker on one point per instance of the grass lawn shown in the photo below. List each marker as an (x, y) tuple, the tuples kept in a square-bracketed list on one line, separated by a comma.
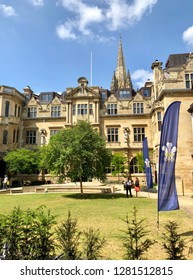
[(106, 212)]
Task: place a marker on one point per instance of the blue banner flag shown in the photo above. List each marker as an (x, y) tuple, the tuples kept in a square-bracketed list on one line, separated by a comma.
[(147, 165), (167, 194)]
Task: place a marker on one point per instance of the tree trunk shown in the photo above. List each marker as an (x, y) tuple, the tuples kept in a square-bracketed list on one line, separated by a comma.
[(81, 187)]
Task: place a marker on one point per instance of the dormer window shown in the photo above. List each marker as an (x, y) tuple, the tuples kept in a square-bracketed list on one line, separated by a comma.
[(46, 97), (147, 92), (124, 94)]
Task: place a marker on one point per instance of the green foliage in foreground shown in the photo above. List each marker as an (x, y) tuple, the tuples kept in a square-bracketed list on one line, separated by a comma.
[(173, 243), (135, 241), (106, 214), (27, 234)]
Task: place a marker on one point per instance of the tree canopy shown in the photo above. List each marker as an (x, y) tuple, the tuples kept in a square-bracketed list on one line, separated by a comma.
[(119, 162), (22, 161), (78, 153)]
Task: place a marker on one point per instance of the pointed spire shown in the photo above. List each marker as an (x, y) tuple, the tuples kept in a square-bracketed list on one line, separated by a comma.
[(121, 79), (128, 80), (121, 70)]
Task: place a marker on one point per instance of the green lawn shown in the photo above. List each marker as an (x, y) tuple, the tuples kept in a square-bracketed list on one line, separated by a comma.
[(106, 212)]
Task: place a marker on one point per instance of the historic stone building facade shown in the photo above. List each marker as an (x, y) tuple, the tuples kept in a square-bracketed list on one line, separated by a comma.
[(122, 115)]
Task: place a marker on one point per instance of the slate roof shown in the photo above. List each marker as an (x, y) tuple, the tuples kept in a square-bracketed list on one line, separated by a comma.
[(175, 60)]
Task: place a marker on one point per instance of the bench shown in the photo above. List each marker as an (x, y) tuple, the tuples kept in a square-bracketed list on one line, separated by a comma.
[(71, 189), (16, 190)]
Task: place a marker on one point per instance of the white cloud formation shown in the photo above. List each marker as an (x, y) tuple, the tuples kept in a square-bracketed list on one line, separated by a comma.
[(122, 14), (64, 31), (141, 76), (85, 15), (113, 14), (7, 11), (188, 36), (37, 2)]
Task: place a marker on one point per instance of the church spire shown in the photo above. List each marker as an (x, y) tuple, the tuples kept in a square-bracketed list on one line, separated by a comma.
[(120, 77), (121, 70)]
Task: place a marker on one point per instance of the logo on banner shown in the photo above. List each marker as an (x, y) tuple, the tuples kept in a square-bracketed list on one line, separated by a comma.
[(147, 163), (169, 152)]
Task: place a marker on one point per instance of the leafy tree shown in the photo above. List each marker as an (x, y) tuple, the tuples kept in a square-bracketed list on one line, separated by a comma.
[(22, 161), (173, 244), (118, 161), (28, 234), (68, 237), (77, 153), (134, 241)]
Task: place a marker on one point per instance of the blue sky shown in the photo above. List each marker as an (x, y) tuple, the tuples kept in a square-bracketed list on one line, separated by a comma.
[(48, 44)]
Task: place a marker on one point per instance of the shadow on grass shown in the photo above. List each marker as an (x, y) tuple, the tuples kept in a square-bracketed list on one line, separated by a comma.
[(187, 233), (95, 195)]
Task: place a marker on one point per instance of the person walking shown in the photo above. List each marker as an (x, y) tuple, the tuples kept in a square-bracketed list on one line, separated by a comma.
[(5, 182), (137, 186), (128, 185)]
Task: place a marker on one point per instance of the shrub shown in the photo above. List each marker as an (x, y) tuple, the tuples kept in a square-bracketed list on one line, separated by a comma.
[(134, 241), (173, 245)]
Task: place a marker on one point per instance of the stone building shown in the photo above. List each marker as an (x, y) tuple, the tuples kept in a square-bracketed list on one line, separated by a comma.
[(122, 115)]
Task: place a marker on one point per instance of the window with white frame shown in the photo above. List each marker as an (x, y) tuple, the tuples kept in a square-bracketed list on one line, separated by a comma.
[(82, 109), (31, 137), (55, 111), (32, 112), (112, 109), (189, 80), (112, 134), (138, 108), (139, 134)]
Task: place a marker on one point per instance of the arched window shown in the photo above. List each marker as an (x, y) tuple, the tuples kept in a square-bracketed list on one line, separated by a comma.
[(135, 166)]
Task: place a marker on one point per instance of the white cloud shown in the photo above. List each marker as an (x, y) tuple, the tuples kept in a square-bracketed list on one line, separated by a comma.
[(7, 11), (141, 76), (64, 31), (188, 36), (37, 2), (122, 14), (108, 14), (84, 15)]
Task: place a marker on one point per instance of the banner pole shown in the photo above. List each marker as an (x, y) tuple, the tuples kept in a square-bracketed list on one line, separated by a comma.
[(158, 220)]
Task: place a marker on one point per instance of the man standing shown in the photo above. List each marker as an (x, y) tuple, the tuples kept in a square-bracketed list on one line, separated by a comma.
[(128, 185)]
